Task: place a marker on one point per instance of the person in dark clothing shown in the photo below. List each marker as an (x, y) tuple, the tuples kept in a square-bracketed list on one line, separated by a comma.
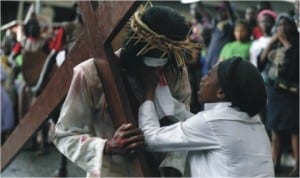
[(222, 33), (282, 58)]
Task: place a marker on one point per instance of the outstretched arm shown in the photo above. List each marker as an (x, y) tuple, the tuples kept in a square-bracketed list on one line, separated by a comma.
[(192, 134)]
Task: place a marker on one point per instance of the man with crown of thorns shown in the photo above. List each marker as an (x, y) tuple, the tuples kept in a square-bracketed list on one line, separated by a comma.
[(158, 37)]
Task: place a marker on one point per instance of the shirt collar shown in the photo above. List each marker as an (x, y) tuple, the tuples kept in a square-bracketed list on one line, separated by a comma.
[(234, 112), (209, 106)]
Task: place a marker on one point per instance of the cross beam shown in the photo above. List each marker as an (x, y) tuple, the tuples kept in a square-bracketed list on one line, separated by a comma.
[(102, 21)]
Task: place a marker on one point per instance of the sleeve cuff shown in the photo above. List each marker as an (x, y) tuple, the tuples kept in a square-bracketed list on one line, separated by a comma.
[(147, 105)]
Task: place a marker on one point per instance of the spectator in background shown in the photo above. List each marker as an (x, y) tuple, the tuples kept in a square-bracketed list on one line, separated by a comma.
[(7, 113), (201, 33), (240, 47), (282, 116), (250, 17), (266, 20), (7, 45), (262, 5), (222, 32)]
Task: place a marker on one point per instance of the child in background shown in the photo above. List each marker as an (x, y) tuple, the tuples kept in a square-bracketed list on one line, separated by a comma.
[(240, 47)]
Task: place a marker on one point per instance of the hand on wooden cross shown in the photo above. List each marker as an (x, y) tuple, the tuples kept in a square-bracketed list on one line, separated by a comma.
[(127, 139)]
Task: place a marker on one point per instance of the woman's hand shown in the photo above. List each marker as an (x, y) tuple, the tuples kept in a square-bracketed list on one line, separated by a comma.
[(264, 56), (283, 38), (127, 139), (281, 35)]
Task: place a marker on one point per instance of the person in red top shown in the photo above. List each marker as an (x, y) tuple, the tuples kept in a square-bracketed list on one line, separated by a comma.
[(263, 5)]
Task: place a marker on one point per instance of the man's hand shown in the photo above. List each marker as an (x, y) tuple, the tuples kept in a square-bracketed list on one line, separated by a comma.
[(127, 139)]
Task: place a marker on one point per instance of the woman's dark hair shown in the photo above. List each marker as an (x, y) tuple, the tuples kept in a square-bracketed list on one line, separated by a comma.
[(164, 21), (243, 85), (293, 36)]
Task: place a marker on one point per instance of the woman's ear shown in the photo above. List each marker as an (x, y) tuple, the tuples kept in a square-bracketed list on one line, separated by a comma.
[(220, 94)]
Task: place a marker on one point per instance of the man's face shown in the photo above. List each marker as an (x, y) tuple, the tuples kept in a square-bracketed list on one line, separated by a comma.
[(250, 15), (209, 87)]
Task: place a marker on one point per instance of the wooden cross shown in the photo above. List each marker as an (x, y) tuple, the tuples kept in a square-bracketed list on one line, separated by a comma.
[(102, 21)]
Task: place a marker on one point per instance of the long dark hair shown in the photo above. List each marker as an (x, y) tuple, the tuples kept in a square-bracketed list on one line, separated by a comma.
[(293, 35)]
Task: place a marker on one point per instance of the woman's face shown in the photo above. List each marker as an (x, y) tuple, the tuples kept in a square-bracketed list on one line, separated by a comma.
[(285, 26), (250, 15), (266, 23), (209, 87)]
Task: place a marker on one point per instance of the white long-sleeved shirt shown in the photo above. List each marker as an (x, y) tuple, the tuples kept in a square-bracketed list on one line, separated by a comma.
[(256, 48), (222, 142)]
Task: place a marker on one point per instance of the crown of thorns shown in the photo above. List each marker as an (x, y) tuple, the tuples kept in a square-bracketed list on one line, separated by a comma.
[(153, 40)]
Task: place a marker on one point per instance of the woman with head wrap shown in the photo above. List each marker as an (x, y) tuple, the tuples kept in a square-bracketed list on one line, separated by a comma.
[(281, 58), (158, 37), (266, 20), (228, 139)]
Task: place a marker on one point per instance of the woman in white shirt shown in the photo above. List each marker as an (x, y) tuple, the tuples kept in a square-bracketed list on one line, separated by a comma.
[(266, 19), (227, 140)]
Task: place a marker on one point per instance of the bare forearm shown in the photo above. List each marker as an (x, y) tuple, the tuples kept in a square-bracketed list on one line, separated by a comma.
[(286, 44)]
